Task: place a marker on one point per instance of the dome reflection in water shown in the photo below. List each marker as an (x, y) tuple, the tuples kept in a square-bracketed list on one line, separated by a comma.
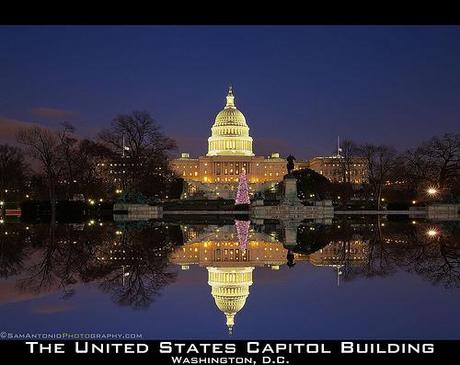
[(368, 269)]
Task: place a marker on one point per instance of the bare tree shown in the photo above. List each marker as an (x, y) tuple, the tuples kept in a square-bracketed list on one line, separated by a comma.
[(436, 258), (88, 154), (381, 163), (43, 145), (67, 146), (57, 264), (443, 156), (137, 135), (348, 153), (13, 252), (12, 168), (141, 274), (415, 169), (137, 142)]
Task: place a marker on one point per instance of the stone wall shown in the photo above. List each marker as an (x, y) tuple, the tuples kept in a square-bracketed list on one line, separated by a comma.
[(444, 211), (292, 212), (136, 212)]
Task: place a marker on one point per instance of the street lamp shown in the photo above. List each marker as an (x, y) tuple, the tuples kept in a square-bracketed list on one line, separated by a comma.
[(432, 232), (432, 191)]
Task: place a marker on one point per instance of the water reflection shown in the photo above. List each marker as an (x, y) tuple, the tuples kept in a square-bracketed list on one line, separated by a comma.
[(230, 254), (133, 263), (129, 262)]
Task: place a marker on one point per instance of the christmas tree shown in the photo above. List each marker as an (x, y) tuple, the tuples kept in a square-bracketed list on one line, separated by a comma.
[(242, 231), (242, 194)]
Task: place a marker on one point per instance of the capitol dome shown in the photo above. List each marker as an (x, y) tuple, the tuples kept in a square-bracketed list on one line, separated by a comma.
[(230, 132), (230, 289)]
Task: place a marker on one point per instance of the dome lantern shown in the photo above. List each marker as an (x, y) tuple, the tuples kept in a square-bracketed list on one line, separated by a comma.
[(230, 98)]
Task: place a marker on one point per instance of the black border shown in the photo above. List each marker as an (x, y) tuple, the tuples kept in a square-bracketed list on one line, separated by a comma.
[(224, 13)]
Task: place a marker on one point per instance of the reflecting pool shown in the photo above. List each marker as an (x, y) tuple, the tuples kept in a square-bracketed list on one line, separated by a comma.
[(362, 278)]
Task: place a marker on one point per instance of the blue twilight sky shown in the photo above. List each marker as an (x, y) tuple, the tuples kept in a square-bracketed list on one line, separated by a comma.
[(298, 86)]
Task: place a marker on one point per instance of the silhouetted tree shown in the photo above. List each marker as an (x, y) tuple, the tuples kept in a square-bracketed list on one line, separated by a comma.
[(90, 182), (348, 153), (13, 249), (137, 141), (415, 170), (381, 162), (309, 182), (67, 147), (436, 258), (12, 170), (442, 155), (45, 146), (138, 277)]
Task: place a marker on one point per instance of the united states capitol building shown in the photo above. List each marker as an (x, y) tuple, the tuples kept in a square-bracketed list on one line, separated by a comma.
[(231, 254), (230, 151)]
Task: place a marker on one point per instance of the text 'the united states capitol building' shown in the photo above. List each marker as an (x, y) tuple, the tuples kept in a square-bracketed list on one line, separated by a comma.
[(230, 152)]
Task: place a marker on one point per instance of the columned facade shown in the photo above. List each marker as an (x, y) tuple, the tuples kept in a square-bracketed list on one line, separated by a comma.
[(230, 152)]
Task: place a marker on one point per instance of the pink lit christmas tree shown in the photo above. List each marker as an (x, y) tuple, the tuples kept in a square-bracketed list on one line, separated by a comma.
[(242, 194), (242, 231)]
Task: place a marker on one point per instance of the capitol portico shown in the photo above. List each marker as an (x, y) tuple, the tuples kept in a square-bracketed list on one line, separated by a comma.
[(230, 151)]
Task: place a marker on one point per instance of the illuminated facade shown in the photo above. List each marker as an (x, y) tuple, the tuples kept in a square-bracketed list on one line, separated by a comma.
[(229, 153), (230, 132), (338, 253), (230, 263), (341, 255), (115, 170), (231, 256), (332, 167), (227, 169)]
